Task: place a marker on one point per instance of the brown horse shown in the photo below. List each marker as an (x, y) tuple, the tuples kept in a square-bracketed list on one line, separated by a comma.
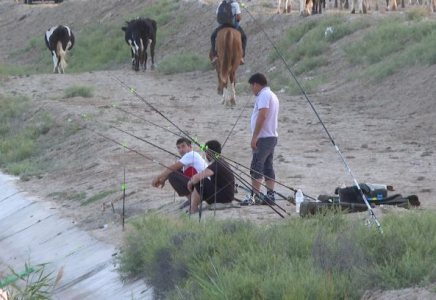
[(229, 49)]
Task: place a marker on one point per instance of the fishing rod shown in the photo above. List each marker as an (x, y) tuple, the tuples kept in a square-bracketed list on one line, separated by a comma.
[(154, 160), (145, 141), (347, 167), (215, 155), (145, 120), (237, 120), (227, 158), (133, 150), (166, 118)]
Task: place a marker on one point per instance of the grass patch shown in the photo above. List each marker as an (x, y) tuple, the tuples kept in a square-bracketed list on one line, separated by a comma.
[(185, 62), (327, 257), (417, 14), (98, 196), (162, 12), (304, 48), (78, 91), (25, 137), (111, 51), (393, 45), (68, 195)]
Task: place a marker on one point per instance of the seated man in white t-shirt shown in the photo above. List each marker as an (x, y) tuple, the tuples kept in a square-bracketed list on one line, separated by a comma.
[(179, 173)]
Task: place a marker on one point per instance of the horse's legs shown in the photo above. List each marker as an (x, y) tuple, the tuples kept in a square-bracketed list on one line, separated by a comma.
[(288, 6), (232, 88), (279, 3)]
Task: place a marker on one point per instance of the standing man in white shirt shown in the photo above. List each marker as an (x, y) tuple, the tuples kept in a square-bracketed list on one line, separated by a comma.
[(179, 173), (264, 123)]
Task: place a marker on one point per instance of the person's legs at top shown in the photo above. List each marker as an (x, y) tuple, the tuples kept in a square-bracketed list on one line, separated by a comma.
[(244, 43), (213, 40)]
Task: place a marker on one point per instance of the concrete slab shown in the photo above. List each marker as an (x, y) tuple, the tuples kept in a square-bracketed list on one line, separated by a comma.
[(31, 232)]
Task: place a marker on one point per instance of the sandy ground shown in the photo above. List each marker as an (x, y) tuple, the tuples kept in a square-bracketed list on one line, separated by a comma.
[(385, 131)]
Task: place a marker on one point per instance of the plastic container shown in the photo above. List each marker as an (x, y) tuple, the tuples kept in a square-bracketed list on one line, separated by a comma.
[(299, 198)]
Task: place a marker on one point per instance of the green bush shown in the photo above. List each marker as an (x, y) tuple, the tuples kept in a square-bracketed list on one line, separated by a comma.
[(19, 146), (417, 14), (185, 62), (324, 257), (98, 196), (79, 91)]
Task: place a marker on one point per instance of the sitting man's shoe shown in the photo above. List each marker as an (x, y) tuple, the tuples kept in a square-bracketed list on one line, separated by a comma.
[(189, 213), (214, 59), (242, 61), (185, 204)]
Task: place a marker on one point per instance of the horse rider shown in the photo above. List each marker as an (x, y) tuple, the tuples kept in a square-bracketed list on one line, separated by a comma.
[(236, 17)]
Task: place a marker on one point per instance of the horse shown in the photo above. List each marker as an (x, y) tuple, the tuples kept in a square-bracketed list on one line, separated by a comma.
[(59, 40), (286, 8), (229, 49), (138, 34), (306, 7)]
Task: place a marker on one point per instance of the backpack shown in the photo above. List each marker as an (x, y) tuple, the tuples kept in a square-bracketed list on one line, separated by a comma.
[(224, 14)]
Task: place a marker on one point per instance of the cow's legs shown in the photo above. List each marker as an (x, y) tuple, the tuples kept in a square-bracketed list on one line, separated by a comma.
[(152, 45), (55, 62)]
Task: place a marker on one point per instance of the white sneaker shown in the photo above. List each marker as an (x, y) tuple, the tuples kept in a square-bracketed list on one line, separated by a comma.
[(249, 200)]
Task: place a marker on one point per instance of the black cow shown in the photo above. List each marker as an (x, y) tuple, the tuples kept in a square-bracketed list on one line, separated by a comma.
[(59, 40), (138, 34)]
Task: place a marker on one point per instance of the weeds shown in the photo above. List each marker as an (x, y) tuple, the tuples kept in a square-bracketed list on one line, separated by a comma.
[(31, 284), (98, 196), (325, 257), (185, 62), (79, 91)]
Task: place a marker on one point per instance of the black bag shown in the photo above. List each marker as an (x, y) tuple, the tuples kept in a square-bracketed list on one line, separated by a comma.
[(352, 195), (225, 15)]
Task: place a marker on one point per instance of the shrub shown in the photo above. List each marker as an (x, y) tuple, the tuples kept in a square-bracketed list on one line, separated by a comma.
[(79, 91), (323, 257), (186, 62)]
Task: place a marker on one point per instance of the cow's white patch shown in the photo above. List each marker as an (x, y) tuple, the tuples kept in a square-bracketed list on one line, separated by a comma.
[(48, 34), (69, 31)]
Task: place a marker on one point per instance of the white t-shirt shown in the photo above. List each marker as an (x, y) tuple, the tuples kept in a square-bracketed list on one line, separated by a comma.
[(195, 160), (236, 10), (266, 99)]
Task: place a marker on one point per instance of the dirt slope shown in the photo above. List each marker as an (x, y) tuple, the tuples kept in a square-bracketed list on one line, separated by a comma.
[(386, 130)]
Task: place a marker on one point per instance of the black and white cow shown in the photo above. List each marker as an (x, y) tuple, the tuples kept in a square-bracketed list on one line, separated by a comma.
[(138, 34), (59, 40)]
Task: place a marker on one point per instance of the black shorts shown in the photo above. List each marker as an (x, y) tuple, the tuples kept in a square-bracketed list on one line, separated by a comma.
[(179, 182), (262, 162), (209, 194)]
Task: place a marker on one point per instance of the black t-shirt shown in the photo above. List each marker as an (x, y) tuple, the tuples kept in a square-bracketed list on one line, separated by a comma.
[(224, 179)]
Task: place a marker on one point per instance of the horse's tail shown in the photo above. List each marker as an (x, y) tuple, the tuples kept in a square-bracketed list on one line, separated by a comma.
[(225, 65), (62, 54)]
